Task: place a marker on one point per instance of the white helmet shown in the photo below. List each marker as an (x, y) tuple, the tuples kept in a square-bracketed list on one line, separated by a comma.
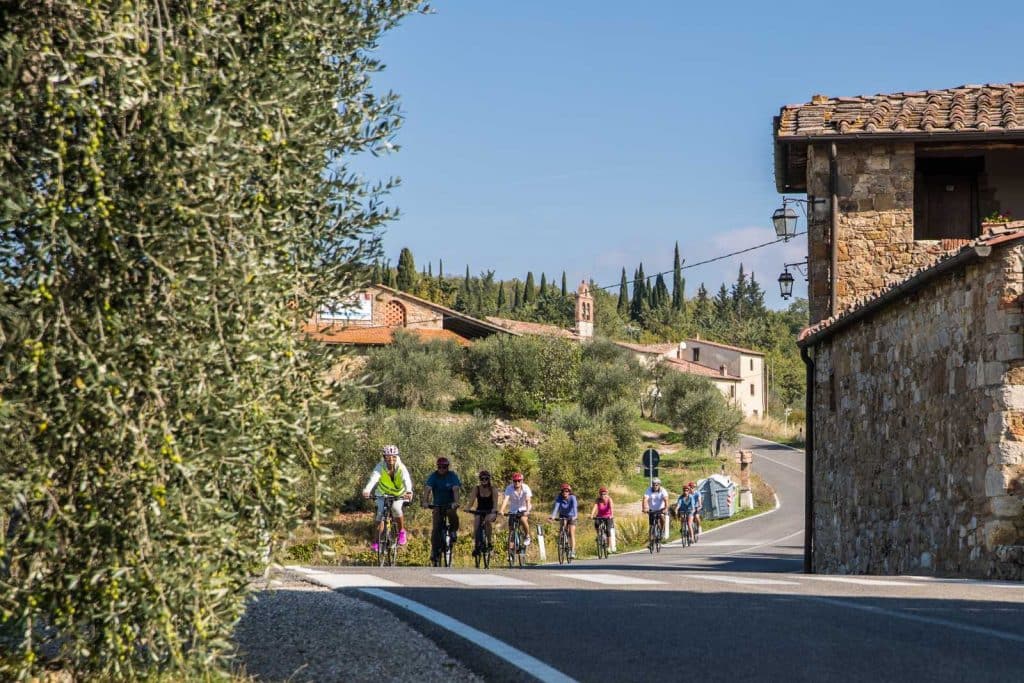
[(390, 449)]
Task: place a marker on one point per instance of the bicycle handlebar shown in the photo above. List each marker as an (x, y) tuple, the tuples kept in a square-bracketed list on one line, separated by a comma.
[(446, 506)]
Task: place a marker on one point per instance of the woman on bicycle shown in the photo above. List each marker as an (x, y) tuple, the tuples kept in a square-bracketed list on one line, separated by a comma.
[(567, 508), (685, 510), (482, 499), (603, 511)]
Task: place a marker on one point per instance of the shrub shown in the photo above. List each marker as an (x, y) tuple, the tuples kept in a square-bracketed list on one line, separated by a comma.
[(698, 410), (585, 459), (609, 374), (523, 375), (413, 374)]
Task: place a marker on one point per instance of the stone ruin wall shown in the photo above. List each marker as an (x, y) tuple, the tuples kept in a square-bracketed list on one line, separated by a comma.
[(919, 468), (876, 223)]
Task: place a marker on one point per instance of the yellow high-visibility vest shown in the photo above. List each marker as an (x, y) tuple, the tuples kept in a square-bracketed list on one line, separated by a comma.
[(391, 486)]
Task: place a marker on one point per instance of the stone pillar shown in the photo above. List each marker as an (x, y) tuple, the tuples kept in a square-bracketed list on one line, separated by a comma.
[(745, 458)]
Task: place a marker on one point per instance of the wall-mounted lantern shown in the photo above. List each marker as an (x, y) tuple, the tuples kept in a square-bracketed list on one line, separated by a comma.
[(786, 279)]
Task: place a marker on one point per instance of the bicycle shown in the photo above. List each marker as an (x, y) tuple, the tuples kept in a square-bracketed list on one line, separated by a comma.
[(446, 541), (564, 543), (516, 543), (656, 520), (686, 538), (483, 540), (387, 539), (602, 538)]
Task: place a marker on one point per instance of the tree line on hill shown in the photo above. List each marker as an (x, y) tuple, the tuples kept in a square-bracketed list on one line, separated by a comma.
[(643, 310)]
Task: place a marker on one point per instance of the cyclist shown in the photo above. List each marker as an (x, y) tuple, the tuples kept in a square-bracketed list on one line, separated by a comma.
[(604, 509), (391, 479), (698, 507), (684, 509), (442, 489), (481, 498), (655, 503), (518, 498), (567, 507)]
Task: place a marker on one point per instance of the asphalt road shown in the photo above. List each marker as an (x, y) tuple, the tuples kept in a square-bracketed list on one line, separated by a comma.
[(735, 606)]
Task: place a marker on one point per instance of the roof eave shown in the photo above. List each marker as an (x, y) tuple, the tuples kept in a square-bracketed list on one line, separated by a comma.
[(912, 136)]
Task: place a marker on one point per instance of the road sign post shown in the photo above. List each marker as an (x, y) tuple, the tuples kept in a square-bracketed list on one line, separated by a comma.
[(650, 460)]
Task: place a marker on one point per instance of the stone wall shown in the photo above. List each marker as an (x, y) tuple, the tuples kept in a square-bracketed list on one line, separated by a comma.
[(876, 222), (919, 431), (416, 315)]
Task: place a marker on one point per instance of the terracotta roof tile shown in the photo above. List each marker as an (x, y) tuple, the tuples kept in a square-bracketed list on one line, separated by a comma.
[(691, 368), (538, 329), (995, 108), (659, 349), (376, 336), (996, 235), (749, 352)]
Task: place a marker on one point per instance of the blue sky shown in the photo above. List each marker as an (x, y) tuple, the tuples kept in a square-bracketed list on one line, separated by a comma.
[(588, 136)]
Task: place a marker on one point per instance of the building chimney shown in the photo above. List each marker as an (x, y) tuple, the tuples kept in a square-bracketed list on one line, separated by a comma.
[(721, 369)]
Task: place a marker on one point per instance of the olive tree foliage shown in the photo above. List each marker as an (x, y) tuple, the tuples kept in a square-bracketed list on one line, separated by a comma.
[(609, 374), (166, 224), (698, 410), (524, 375), (413, 374)]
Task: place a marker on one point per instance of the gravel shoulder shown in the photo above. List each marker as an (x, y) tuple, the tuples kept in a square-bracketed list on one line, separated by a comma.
[(295, 631)]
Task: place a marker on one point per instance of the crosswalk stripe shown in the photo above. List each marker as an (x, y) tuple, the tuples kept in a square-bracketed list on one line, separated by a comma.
[(859, 582), (332, 580), (484, 580), (607, 579), (743, 580)]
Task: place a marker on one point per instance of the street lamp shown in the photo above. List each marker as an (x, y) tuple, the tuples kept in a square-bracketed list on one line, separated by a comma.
[(786, 284), (786, 278), (784, 220)]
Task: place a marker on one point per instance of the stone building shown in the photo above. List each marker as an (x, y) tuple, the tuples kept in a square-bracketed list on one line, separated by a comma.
[(371, 318), (915, 353), (740, 371)]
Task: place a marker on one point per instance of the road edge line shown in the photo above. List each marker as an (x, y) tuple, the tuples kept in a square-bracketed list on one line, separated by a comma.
[(499, 648)]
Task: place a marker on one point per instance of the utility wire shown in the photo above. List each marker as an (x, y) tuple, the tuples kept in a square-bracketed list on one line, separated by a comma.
[(705, 262)]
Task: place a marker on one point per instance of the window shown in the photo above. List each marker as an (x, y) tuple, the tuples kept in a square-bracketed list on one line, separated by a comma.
[(696, 355), (751, 389), (946, 197), (732, 391), (751, 363)]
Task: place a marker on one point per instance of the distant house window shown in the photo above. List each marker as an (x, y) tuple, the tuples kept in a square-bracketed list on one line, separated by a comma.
[(696, 355), (732, 391), (751, 389), (946, 197), (755, 413), (751, 363)]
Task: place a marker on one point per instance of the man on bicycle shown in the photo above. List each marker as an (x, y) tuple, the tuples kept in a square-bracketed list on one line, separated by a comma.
[(604, 511), (391, 479), (684, 509), (518, 498), (442, 490), (698, 507), (567, 508), (655, 503)]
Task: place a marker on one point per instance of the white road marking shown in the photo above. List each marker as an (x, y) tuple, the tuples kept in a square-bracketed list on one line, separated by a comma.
[(608, 579), (896, 614), (742, 580), (776, 443), (738, 541), (855, 580), (969, 582), (484, 579), (333, 581), (765, 545), (498, 648), (780, 464)]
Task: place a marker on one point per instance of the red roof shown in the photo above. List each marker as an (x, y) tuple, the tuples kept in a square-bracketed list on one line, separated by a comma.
[(376, 336), (997, 235), (539, 329), (749, 352), (691, 368), (660, 349)]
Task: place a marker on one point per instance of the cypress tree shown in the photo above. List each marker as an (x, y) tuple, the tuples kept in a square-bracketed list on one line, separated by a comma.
[(702, 307), (678, 283), (755, 298), (516, 296), (406, 278), (639, 295), (501, 296), (662, 299), (565, 290), (528, 294), (430, 269), (724, 307), (465, 283), (440, 269), (739, 294), (623, 307), (543, 285), (389, 276), (375, 275)]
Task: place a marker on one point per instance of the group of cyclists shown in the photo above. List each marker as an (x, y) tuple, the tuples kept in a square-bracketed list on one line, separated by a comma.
[(441, 494)]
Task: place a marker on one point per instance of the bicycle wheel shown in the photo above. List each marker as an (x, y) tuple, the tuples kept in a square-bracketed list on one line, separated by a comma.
[(602, 543), (513, 547), (488, 548), (563, 556), (657, 536), (650, 539), (448, 548)]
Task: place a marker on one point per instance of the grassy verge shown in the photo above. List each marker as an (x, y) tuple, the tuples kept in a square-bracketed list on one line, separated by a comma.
[(791, 434)]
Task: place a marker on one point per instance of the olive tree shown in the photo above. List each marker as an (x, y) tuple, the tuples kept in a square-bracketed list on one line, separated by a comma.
[(174, 202)]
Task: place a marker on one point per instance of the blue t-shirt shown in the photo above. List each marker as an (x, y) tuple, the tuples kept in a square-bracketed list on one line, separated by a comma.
[(685, 504), (566, 507), (442, 487)]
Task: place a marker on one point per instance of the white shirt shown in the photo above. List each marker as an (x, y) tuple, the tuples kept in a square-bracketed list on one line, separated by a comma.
[(656, 500), (518, 502)]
